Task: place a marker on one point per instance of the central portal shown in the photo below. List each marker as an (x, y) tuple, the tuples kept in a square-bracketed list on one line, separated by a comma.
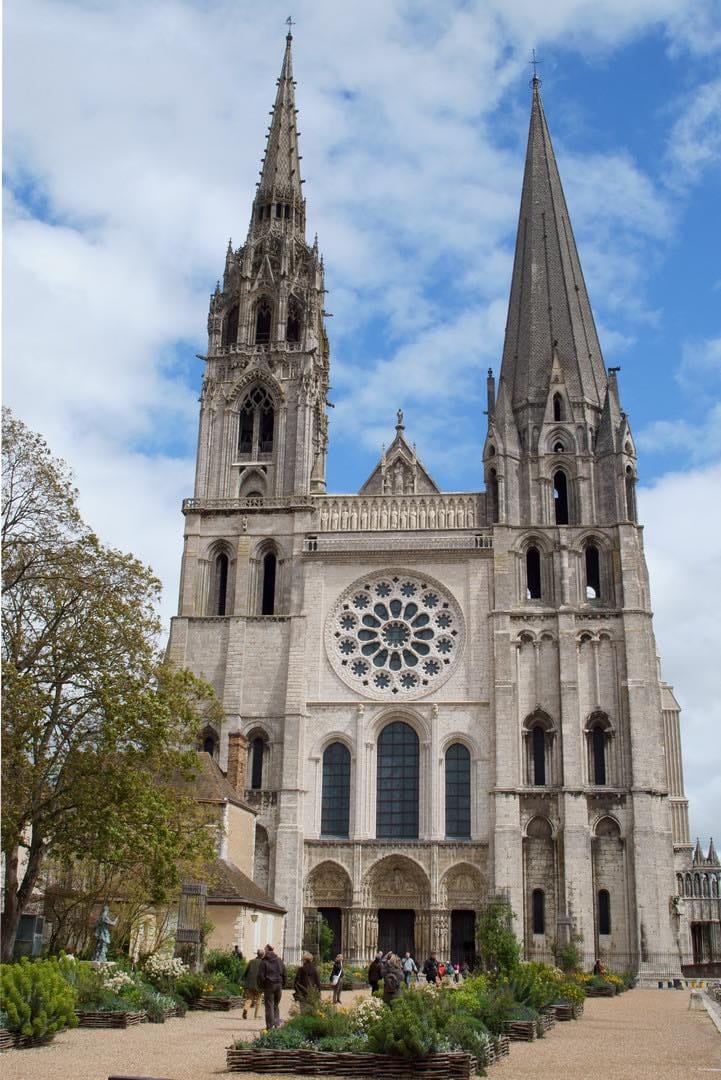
[(396, 930)]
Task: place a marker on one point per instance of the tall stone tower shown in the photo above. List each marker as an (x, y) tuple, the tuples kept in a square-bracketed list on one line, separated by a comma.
[(576, 671), (442, 696)]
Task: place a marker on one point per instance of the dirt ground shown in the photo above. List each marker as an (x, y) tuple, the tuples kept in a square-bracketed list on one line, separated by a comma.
[(644, 1033)]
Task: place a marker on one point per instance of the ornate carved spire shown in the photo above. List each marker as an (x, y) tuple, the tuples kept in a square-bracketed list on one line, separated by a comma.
[(549, 309), (280, 195)]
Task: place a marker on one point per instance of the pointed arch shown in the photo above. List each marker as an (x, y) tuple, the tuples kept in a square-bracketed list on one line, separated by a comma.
[(256, 423), (558, 407), (263, 320), (561, 498), (630, 486), (219, 589), (294, 321), (229, 335), (493, 504), (267, 579)]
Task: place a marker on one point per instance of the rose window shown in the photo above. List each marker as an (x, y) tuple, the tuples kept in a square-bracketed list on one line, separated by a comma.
[(395, 635)]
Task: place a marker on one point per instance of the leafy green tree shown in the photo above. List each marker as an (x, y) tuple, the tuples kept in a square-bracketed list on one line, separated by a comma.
[(96, 726), (499, 947)]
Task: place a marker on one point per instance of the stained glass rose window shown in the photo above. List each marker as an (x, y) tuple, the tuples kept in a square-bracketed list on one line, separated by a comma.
[(396, 634)]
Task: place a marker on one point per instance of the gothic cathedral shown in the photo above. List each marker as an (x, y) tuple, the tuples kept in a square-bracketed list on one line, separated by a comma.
[(441, 698)]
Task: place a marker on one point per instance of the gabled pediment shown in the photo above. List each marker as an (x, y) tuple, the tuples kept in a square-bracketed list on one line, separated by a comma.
[(399, 471)]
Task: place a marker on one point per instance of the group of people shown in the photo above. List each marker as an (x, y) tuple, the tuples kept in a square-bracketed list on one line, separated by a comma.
[(266, 975), (394, 971)]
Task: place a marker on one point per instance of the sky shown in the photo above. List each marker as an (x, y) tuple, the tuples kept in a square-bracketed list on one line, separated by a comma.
[(133, 138)]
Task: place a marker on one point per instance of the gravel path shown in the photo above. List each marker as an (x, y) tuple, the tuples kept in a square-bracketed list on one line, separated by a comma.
[(642, 1034), (645, 1033)]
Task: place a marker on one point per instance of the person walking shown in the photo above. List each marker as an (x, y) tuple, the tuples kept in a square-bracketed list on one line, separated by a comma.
[(409, 968), (336, 978), (250, 982), (392, 980), (307, 981), (375, 972), (430, 969), (271, 978)]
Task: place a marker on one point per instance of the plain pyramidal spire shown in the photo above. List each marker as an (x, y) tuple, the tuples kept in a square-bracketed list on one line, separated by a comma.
[(549, 312), (280, 173)]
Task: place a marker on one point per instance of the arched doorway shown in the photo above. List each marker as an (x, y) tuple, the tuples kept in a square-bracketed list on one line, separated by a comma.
[(397, 894), (328, 895)]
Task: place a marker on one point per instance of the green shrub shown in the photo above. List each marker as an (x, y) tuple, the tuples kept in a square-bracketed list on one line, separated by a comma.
[(37, 998), (343, 1044), (226, 963), (287, 1037), (156, 1005), (192, 986), (465, 1032), (405, 1028)]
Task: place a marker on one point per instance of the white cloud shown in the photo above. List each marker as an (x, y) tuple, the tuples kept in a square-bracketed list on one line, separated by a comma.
[(695, 140), (682, 517), (699, 438)]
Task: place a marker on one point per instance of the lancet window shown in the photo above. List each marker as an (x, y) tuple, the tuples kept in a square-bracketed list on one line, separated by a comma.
[(397, 782), (263, 320), (256, 424), (335, 802), (458, 792)]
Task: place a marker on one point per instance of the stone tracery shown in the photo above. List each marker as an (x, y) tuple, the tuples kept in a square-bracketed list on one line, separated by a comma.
[(395, 633)]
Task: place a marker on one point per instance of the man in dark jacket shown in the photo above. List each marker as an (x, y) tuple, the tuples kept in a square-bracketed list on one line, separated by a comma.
[(271, 978), (430, 969), (392, 980), (375, 972), (250, 982), (307, 981)]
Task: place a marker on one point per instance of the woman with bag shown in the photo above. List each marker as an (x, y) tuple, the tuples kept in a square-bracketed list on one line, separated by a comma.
[(336, 978)]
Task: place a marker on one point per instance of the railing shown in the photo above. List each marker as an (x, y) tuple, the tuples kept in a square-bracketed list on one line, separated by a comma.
[(393, 541), (257, 350), (379, 513), (280, 502)]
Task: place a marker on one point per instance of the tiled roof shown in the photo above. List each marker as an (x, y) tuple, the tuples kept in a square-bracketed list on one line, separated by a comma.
[(211, 785), (228, 884)]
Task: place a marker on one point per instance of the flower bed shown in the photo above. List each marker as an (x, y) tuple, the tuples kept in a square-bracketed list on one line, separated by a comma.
[(221, 1004), (455, 1066), (109, 1019)]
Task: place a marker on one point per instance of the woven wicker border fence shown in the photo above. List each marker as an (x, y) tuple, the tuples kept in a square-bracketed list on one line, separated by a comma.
[(546, 1022), (109, 1019), (324, 1063), (600, 991), (499, 1046), (12, 1040), (222, 1004), (567, 1012), (520, 1030)]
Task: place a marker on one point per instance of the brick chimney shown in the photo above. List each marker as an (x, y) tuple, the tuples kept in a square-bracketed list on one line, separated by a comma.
[(237, 761)]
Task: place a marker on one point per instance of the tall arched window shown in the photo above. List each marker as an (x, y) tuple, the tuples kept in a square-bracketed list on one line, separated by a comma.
[(292, 331), (538, 739), (533, 574), (557, 407), (256, 423), (397, 782), (493, 495), (604, 912), (268, 591), (630, 494), (335, 803), (458, 792), (598, 754), (593, 572), (538, 913), (560, 497), (221, 584), (230, 327), (263, 317), (257, 753)]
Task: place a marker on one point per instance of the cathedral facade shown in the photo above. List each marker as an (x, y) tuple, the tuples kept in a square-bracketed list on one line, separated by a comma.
[(443, 697)]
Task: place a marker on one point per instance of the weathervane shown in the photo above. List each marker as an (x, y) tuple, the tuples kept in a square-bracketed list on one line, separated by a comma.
[(534, 62), (290, 24)]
